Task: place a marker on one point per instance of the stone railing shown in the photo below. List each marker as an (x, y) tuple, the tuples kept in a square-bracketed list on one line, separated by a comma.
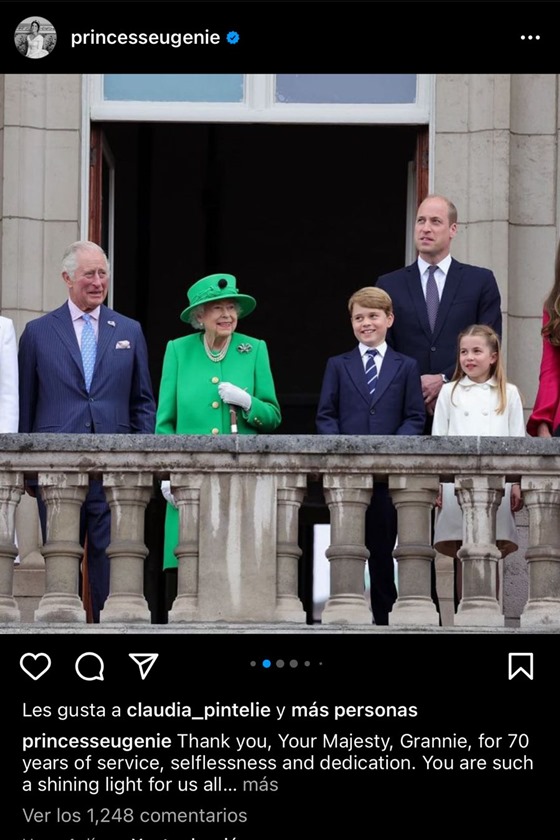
[(239, 498)]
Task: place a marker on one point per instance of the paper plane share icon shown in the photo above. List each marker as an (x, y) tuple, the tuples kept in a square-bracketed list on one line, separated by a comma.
[(144, 661)]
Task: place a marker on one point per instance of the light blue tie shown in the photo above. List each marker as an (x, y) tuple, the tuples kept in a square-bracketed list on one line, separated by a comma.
[(89, 349), (371, 370)]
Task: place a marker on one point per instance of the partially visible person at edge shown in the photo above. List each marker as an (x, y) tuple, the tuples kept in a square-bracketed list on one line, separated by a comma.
[(9, 400), (467, 295), (478, 401), (214, 382), (56, 398), (373, 390), (544, 420)]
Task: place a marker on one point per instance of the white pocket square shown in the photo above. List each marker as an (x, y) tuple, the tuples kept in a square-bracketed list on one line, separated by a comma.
[(122, 345)]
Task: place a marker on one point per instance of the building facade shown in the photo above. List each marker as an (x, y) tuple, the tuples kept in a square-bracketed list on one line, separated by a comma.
[(243, 177)]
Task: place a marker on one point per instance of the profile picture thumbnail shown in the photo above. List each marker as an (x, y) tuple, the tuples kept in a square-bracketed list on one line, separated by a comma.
[(35, 37)]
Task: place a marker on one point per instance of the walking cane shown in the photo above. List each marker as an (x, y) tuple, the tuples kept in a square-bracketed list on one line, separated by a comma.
[(233, 420)]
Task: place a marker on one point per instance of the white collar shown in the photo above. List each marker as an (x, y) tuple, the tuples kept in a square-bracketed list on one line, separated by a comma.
[(465, 382)]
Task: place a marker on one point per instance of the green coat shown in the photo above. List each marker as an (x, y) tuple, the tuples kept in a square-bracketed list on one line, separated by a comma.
[(189, 402)]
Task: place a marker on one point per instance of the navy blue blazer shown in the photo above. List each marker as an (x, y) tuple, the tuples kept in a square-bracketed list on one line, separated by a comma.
[(53, 396), (470, 296), (347, 408)]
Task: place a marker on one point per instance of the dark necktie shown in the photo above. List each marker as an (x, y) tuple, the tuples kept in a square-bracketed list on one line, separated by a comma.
[(371, 370), (432, 297), (89, 349)]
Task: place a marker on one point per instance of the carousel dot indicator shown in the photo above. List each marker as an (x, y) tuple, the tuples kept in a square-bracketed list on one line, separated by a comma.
[(266, 663), (280, 663), (293, 663)]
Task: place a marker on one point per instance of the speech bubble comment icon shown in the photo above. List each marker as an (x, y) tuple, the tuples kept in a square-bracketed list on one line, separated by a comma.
[(35, 665), (90, 668)]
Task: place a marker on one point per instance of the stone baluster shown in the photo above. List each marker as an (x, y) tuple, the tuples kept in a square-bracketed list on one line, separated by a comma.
[(541, 495), (291, 489), (63, 495), (186, 491), (11, 488), (414, 497), (127, 495), (347, 497), (479, 497)]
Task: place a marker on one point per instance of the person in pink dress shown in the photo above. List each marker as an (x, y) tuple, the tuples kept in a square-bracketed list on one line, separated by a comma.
[(545, 417)]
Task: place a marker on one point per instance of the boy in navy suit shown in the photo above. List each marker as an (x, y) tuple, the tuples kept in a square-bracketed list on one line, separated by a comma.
[(373, 390)]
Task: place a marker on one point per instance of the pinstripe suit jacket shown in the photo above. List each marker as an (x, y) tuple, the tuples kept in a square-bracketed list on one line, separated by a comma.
[(53, 396)]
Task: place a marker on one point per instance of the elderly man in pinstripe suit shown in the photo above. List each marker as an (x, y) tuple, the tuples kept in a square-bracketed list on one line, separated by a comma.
[(56, 398)]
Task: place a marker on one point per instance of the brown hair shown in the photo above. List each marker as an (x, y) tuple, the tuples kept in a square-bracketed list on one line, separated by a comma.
[(373, 298), (451, 209), (551, 330), (497, 369)]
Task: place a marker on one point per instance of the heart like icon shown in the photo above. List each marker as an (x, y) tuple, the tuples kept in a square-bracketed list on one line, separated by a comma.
[(36, 661)]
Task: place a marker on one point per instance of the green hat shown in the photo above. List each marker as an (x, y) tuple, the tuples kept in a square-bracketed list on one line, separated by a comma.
[(217, 287)]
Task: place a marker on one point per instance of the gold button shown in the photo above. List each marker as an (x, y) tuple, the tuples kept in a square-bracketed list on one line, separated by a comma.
[(215, 431), (215, 380), (215, 404)]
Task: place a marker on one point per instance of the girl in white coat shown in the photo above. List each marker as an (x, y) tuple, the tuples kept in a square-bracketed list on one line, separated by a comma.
[(478, 401)]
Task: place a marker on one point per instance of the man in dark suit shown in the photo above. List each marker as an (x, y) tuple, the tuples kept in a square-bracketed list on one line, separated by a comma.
[(466, 294), (56, 395), (382, 395), (434, 299)]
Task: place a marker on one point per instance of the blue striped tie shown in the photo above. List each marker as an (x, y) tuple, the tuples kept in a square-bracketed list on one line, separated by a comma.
[(89, 349), (371, 370)]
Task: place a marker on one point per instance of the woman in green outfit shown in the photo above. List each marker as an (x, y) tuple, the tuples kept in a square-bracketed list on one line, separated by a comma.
[(215, 382)]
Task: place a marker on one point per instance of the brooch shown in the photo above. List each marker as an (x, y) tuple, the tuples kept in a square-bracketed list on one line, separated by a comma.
[(111, 323), (244, 348)]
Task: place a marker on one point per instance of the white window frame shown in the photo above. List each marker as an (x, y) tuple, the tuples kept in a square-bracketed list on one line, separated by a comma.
[(259, 105)]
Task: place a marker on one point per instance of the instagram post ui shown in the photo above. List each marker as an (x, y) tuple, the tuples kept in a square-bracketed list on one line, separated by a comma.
[(279, 399)]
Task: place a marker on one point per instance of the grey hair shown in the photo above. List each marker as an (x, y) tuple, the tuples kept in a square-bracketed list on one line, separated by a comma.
[(198, 311), (70, 258)]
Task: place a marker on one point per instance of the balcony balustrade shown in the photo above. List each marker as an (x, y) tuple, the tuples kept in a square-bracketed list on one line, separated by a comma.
[(239, 499)]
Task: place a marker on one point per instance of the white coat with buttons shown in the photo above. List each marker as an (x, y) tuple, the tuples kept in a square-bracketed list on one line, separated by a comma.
[(469, 409)]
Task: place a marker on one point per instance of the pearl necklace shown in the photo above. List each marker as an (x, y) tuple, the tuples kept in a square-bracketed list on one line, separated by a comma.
[(216, 357)]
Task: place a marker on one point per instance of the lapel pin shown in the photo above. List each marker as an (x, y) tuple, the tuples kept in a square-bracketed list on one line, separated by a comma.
[(111, 323)]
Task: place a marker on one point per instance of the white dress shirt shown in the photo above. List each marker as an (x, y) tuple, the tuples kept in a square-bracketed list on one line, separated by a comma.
[(78, 321), (440, 273), (381, 350)]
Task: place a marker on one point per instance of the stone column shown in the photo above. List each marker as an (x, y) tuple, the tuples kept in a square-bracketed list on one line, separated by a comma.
[(479, 497), (127, 495), (237, 565), (29, 575), (11, 488), (63, 494), (186, 491), (414, 497), (348, 497), (291, 489), (541, 495)]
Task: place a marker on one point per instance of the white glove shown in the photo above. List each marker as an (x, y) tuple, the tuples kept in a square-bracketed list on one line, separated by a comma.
[(167, 494), (233, 395)]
